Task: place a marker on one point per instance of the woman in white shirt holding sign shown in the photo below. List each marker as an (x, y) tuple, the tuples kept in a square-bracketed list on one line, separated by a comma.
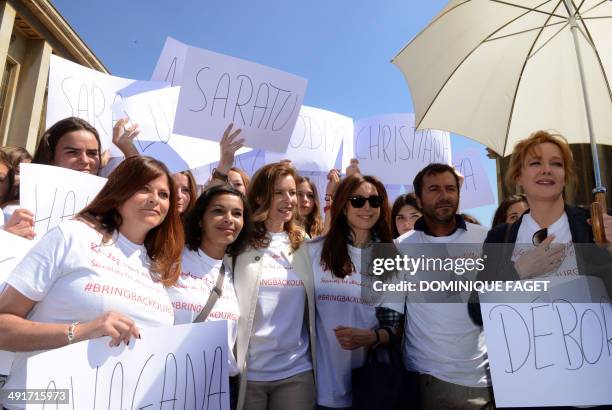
[(276, 326), (100, 274), (216, 231), (347, 322)]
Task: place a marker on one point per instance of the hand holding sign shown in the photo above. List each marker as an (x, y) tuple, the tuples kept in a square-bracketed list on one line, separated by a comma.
[(353, 168), (119, 327), (123, 137), (228, 147), (21, 223)]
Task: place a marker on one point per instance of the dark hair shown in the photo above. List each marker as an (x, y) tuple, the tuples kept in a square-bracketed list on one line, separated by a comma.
[(193, 190), (164, 243), (432, 169), (401, 201), (335, 255), (502, 210), (6, 161), (193, 219), (313, 223), (260, 193), (45, 153)]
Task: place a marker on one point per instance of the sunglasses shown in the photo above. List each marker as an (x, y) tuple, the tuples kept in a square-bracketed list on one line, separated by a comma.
[(539, 236), (359, 201)]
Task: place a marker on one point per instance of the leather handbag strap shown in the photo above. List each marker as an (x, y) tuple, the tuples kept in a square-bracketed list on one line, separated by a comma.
[(215, 294)]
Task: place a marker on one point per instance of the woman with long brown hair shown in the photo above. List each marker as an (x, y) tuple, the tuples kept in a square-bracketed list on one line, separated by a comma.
[(309, 210), (102, 273), (347, 323), (276, 326)]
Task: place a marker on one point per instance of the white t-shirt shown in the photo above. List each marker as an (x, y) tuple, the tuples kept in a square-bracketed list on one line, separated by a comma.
[(279, 345), (338, 303), (191, 292), (73, 276), (440, 338), (561, 229)]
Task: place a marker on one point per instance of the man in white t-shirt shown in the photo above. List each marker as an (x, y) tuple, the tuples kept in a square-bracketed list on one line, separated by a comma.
[(441, 343)]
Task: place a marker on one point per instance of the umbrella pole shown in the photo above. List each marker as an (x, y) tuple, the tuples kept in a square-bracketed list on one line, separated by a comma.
[(598, 207), (574, 28)]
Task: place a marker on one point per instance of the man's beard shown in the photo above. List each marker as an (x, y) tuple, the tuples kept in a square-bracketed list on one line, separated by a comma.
[(446, 219)]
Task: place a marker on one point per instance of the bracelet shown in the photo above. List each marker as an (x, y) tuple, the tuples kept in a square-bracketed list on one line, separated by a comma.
[(71, 332), (216, 174)]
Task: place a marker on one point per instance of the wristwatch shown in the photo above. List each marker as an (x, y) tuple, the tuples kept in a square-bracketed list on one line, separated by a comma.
[(220, 176)]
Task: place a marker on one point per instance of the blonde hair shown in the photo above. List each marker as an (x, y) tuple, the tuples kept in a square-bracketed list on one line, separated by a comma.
[(259, 195), (529, 145)]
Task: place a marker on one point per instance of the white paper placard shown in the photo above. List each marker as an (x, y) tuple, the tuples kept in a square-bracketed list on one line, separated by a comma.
[(77, 91), (476, 190), (54, 194), (549, 353), (316, 140), (388, 146), (12, 250), (184, 366), (169, 67), (217, 89)]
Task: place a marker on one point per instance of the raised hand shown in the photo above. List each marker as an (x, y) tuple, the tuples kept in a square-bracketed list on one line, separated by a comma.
[(123, 137), (228, 145)]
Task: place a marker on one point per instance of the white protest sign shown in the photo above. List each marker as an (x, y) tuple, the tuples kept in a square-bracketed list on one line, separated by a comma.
[(77, 91), (12, 250), (553, 353), (249, 162), (476, 190), (217, 90), (54, 193), (389, 147), (169, 67), (316, 140), (154, 112), (182, 367)]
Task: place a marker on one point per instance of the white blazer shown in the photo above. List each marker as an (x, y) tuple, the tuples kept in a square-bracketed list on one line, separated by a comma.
[(247, 275)]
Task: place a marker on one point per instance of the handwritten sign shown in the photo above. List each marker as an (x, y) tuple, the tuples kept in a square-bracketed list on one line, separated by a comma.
[(316, 140), (555, 353), (217, 89), (169, 67), (180, 367), (77, 91), (54, 194), (153, 111), (476, 190), (389, 147)]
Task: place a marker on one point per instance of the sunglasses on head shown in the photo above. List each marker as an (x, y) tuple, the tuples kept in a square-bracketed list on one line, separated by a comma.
[(359, 201), (539, 236)]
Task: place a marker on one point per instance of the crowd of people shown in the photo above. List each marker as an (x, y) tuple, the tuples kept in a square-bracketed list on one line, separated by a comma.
[(289, 272)]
